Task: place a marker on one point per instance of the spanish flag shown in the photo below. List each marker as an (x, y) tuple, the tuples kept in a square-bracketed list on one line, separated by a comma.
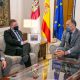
[(46, 21)]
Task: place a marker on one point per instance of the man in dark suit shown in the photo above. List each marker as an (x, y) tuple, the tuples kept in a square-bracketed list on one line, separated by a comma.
[(69, 49), (5, 64), (70, 41), (15, 46)]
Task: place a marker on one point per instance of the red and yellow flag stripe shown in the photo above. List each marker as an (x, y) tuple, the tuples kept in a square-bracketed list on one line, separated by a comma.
[(46, 21)]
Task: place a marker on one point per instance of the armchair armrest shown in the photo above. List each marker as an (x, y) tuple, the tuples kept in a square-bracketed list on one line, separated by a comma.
[(34, 53), (35, 48)]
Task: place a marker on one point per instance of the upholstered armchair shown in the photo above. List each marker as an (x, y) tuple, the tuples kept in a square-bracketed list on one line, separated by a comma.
[(16, 66)]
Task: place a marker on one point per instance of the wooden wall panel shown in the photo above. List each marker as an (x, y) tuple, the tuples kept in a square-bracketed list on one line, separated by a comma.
[(67, 10)]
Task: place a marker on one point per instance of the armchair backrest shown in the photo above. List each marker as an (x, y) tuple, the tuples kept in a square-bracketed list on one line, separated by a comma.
[(2, 43)]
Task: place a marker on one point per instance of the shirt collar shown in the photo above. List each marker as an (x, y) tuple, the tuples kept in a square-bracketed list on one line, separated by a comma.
[(12, 29), (74, 31)]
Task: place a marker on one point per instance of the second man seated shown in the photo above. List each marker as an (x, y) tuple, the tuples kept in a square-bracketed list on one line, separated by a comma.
[(15, 46)]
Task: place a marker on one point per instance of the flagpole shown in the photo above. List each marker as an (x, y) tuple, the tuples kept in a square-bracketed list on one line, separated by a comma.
[(74, 7), (54, 17)]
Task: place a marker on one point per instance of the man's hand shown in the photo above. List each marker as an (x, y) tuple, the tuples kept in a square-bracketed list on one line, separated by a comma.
[(59, 53), (24, 42), (4, 64)]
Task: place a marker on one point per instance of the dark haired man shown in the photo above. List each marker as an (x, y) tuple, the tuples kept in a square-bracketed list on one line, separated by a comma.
[(69, 48), (70, 41), (15, 46)]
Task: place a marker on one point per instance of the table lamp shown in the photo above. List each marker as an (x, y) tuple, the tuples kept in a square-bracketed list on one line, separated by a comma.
[(32, 24)]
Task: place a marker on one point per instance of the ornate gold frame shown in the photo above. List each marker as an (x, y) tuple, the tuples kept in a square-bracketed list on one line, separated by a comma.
[(4, 13)]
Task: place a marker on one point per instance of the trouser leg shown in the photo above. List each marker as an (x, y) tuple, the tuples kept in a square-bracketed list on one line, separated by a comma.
[(25, 50)]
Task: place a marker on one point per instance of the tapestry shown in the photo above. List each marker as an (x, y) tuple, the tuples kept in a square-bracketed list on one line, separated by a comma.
[(4, 13)]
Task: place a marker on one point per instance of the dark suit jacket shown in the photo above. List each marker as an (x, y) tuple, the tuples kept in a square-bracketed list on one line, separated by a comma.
[(11, 42), (74, 45)]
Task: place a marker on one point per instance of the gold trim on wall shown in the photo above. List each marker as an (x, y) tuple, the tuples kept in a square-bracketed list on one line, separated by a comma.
[(4, 13)]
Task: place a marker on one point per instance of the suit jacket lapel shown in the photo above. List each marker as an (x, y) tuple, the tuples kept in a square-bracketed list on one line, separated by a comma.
[(20, 33), (75, 35), (12, 34)]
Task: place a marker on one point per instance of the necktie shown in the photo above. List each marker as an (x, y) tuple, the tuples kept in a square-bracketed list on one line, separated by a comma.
[(18, 36), (70, 37)]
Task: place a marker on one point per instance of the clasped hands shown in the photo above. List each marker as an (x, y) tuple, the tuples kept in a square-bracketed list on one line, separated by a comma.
[(59, 53), (4, 64)]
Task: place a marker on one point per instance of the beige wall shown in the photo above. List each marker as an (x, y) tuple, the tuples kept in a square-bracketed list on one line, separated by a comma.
[(16, 10), (27, 11), (77, 13), (21, 9), (27, 6)]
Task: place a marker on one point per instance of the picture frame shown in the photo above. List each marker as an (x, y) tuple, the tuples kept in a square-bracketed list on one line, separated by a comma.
[(34, 38)]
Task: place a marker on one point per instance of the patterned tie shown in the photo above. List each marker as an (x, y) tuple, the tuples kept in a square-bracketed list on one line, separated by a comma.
[(19, 37)]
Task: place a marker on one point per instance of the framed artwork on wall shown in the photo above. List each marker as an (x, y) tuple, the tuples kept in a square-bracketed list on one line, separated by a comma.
[(4, 13)]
